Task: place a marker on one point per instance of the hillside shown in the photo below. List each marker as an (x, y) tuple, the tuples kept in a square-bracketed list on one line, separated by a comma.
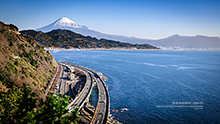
[(23, 60), (25, 70), (68, 39)]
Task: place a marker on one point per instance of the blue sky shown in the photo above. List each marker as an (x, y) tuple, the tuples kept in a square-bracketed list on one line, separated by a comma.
[(149, 19)]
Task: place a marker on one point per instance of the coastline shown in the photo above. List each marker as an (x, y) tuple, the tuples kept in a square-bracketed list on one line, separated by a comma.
[(54, 50), (91, 49)]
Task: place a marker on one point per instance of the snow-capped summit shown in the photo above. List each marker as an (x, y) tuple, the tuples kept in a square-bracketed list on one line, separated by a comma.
[(66, 22), (63, 23)]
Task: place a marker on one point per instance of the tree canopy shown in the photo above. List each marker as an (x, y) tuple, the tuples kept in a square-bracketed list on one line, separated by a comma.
[(20, 105)]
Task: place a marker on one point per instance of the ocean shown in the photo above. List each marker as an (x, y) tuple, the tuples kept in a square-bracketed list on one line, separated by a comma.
[(159, 87)]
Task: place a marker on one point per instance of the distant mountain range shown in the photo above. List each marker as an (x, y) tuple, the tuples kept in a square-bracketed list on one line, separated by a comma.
[(198, 41)]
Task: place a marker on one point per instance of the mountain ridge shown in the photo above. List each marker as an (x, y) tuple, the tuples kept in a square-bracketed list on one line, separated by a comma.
[(198, 41), (67, 39)]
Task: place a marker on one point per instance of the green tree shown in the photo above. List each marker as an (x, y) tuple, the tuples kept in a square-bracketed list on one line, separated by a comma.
[(18, 105)]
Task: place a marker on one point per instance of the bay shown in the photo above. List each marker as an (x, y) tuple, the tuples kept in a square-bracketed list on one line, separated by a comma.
[(157, 86)]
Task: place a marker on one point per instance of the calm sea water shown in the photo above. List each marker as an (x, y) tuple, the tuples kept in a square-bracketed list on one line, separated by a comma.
[(157, 86)]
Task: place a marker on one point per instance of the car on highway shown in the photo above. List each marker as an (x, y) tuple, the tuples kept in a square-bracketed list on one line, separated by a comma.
[(102, 101)]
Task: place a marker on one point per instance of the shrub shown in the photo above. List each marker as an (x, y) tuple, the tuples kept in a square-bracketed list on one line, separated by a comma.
[(6, 81), (41, 57), (3, 77), (7, 68), (25, 73), (16, 62), (13, 68), (10, 43), (10, 38), (2, 31), (15, 52), (34, 63), (19, 37), (22, 47)]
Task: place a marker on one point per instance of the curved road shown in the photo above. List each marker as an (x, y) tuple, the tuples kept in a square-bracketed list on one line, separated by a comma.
[(84, 94), (103, 105)]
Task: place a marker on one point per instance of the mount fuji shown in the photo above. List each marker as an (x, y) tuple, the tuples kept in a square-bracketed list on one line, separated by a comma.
[(67, 24), (198, 41), (64, 23)]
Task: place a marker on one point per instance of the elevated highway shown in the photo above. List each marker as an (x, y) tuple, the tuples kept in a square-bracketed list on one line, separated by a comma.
[(81, 98), (102, 109)]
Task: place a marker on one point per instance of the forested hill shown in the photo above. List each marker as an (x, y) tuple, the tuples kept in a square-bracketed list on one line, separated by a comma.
[(23, 60), (68, 39)]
